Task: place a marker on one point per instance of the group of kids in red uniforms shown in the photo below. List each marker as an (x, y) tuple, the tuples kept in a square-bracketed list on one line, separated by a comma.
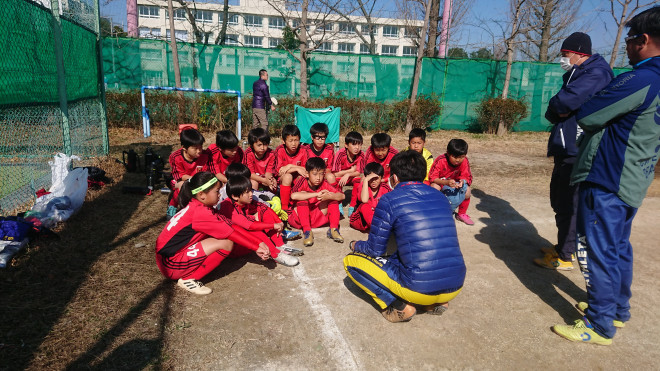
[(209, 222)]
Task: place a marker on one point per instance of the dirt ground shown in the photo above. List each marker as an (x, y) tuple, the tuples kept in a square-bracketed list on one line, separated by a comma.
[(94, 299)]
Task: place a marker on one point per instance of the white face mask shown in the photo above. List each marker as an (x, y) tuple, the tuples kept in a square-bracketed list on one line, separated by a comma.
[(565, 63)]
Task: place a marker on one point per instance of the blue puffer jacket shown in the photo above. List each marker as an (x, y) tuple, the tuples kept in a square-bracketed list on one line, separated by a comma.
[(260, 94), (428, 259), (580, 84)]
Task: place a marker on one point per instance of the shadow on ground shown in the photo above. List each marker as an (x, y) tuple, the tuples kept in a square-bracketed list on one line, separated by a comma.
[(516, 242)]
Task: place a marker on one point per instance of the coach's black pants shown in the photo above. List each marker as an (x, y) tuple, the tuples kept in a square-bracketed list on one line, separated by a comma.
[(563, 199)]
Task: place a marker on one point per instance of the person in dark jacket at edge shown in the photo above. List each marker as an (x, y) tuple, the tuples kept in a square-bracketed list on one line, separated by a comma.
[(261, 101), (615, 166), (586, 74), (427, 269)]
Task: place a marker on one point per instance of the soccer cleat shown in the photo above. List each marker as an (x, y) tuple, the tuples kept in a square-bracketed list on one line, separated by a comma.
[(171, 211), (582, 306), (293, 251), (194, 286), (308, 238), (435, 309), (394, 315), (351, 210), (554, 262), (581, 331), (333, 234), (465, 218), (553, 251), (287, 260), (290, 235)]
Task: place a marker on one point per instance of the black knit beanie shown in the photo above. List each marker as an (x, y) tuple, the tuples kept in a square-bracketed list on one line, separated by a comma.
[(578, 42)]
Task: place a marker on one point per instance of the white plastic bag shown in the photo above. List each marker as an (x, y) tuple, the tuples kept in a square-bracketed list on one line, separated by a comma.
[(59, 168)]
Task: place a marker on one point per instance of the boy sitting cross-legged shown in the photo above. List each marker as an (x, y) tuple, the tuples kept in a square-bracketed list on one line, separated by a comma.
[(319, 148), (257, 218), (416, 142), (260, 159), (451, 174), (225, 151), (371, 189), (316, 203), (290, 160), (185, 162), (349, 162)]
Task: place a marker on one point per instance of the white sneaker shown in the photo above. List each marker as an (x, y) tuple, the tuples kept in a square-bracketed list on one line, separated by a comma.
[(293, 251), (194, 286), (287, 260)]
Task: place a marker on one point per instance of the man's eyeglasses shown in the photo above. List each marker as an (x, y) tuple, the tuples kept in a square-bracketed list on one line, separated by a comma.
[(318, 137), (632, 37)]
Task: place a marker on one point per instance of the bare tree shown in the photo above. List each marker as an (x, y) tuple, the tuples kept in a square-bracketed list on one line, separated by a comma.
[(312, 14), (418, 67), (175, 50), (622, 14), (548, 23), (366, 11)]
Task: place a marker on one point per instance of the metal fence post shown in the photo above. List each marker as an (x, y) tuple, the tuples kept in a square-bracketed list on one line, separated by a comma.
[(61, 77), (101, 80)]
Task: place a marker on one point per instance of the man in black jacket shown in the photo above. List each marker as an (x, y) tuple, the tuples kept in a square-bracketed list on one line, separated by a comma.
[(261, 101), (586, 74)]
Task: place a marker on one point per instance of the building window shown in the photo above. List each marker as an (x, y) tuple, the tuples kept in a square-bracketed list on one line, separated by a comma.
[(409, 51), (179, 35), (412, 32), (345, 67), (149, 33), (205, 36), (390, 31), (276, 22), (345, 48), (254, 41), (232, 19), (231, 39), (147, 11), (388, 50), (253, 21), (364, 49), (274, 42), (203, 15), (346, 28), (179, 14), (325, 27), (325, 47), (365, 29)]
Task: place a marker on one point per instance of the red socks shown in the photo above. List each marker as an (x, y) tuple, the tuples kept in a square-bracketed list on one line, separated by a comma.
[(333, 214), (210, 263), (462, 208), (285, 196), (302, 208)]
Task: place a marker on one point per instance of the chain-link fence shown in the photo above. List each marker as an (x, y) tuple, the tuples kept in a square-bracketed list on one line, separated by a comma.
[(461, 84), (51, 92)]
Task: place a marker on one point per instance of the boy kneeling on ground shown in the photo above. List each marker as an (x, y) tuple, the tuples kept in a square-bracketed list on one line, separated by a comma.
[(427, 269)]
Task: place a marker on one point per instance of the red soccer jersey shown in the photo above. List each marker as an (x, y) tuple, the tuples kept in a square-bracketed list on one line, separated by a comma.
[(443, 169), (244, 216), (192, 224), (373, 199), (180, 166), (220, 162), (302, 185), (342, 162), (260, 166), (327, 153), (371, 157), (283, 158)]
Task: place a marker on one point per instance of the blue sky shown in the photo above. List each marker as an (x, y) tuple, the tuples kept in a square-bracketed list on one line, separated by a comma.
[(594, 18)]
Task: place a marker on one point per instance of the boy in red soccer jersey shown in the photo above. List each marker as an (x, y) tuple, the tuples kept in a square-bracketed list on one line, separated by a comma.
[(260, 159), (197, 239), (316, 203), (257, 218), (290, 159), (416, 142), (349, 163), (185, 162), (381, 152), (319, 148), (372, 188), (451, 174), (225, 151)]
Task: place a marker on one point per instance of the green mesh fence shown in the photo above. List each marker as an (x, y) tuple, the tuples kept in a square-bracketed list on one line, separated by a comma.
[(461, 84), (51, 92)]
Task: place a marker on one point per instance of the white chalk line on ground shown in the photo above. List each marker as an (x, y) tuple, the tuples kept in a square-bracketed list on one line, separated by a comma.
[(332, 338)]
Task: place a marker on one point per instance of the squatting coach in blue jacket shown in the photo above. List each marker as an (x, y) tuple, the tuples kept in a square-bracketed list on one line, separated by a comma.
[(615, 167), (427, 269), (586, 74)]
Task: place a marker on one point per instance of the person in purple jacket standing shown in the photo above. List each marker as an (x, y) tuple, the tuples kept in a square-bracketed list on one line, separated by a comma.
[(261, 101)]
